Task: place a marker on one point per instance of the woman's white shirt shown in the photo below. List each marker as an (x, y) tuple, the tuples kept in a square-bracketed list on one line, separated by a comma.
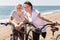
[(35, 20)]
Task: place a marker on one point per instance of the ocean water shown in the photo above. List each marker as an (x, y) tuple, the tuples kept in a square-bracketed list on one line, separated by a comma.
[(5, 11)]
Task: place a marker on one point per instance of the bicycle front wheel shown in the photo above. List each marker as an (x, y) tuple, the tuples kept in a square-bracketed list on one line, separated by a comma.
[(29, 35), (58, 37)]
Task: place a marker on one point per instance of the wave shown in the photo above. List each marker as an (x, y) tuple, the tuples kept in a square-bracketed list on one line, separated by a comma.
[(4, 20), (50, 12)]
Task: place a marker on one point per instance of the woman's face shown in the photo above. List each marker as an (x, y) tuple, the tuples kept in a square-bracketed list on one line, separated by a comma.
[(27, 7), (19, 7)]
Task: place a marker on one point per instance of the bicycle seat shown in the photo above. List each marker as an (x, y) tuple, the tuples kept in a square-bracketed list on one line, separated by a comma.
[(55, 29)]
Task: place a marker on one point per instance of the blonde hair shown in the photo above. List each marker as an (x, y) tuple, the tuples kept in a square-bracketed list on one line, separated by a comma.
[(19, 5)]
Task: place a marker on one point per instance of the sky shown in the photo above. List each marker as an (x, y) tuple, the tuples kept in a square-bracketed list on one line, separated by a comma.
[(34, 2)]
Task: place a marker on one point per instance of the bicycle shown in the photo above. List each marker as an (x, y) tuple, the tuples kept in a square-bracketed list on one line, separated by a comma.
[(53, 29), (6, 25), (29, 37), (12, 36)]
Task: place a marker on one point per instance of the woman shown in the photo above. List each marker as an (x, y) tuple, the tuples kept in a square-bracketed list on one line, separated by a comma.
[(17, 18), (36, 18)]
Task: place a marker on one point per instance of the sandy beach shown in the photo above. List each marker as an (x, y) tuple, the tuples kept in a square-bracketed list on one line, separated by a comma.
[(5, 31)]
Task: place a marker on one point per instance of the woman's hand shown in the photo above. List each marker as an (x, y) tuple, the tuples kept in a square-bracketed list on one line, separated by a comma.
[(56, 23), (18, 27)]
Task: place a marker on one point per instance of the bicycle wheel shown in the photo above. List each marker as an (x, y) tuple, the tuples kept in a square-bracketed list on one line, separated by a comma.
[(29, 36), (15, 34), (13, 37), (58, 37)]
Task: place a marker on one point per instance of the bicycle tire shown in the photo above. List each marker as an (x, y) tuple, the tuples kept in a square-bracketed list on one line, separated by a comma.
[(13, 37), (58, 37), (29, 37)]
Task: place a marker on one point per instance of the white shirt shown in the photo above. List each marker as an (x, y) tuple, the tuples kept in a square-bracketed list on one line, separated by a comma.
[(17, 19), (36, 21)]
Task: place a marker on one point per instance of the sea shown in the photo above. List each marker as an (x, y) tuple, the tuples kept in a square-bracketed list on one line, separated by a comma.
[(5, 11)]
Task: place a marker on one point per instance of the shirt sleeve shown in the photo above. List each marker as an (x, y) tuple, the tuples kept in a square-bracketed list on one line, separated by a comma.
[(37, 12), (12, 14)]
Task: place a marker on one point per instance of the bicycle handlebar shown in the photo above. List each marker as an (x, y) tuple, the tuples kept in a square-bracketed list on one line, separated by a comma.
[(8, 23), (52, 24)]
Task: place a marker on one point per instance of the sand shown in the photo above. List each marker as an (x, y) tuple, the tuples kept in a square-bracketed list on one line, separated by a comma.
[(5, 31)]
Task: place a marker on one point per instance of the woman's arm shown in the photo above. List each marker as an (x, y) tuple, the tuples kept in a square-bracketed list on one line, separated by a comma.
[(44, 18), (11, 19), (23, 22)]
